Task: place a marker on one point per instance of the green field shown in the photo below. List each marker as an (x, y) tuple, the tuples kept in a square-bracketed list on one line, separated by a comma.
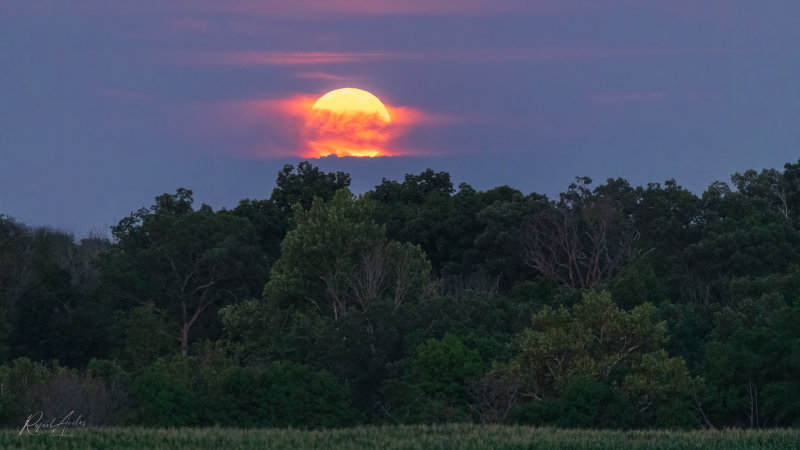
[(401, 437)]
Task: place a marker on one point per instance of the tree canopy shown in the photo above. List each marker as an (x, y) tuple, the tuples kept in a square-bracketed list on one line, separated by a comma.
[(418, 301)]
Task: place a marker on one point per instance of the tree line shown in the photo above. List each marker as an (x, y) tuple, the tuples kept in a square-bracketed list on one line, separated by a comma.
[(416, 302)]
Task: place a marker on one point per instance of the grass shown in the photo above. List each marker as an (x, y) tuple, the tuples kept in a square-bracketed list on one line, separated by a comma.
[(400, 437)]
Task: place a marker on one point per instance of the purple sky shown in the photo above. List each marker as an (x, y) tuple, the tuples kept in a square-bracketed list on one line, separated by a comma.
[(106, 104)]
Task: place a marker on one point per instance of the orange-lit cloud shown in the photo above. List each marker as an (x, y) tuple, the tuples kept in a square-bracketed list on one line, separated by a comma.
[(313, 134)]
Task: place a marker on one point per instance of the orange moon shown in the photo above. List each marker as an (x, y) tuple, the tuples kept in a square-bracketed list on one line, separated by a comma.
[(352, 100), (348, 122)]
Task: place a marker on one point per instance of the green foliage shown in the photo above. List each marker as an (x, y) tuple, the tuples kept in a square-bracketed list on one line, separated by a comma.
[(270, 224), (786, 285), (589, 340), (419, 302), (771, 186), (260, 331), (498, 247), (289, 394), (739, 235), (104, 368), (597, 341), (27, 387), (190, 391), (542, 291), (661, 389), (584, 237), (17, 379), (49, 307), (337, 259), (435, 388), (403, 401), (272, 217), (689, 327), (367, 348), (443, 367), (183, 263), (665, 216), (584, 404), (166, 394), (303, 184), (146, 337), (426, 210), (753, 370), (637, 283), (320, 254)]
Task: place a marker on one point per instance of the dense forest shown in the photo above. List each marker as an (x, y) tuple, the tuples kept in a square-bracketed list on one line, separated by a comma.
[(419, 301)]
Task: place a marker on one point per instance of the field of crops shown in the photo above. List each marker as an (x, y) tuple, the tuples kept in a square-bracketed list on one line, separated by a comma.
[(397, 437)]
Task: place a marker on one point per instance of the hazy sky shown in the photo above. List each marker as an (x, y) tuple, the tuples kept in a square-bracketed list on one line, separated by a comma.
[(106, 104)]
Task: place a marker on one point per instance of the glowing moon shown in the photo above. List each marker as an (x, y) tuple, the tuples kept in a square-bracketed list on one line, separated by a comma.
[(349, 122), (352, 101)]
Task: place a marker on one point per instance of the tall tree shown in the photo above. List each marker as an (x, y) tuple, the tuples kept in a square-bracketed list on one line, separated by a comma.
[(583, 237), (338, 258), (738, 235), (183, 263), (597, 341), (427, 210), (303, 184), (47, 307), (769, 185), (497, 249)]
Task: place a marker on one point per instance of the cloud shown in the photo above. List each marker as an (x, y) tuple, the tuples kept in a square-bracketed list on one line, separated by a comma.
[(189, 25), (288, 127), (114, 94), (321, 76), (627, 97), (707, 10), (305, 8), (415, 7), (544, 54), (270, 58), (254, 58)]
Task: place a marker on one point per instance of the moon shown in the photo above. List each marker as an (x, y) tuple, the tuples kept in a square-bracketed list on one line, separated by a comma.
[(351, 100), (349, 122)]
